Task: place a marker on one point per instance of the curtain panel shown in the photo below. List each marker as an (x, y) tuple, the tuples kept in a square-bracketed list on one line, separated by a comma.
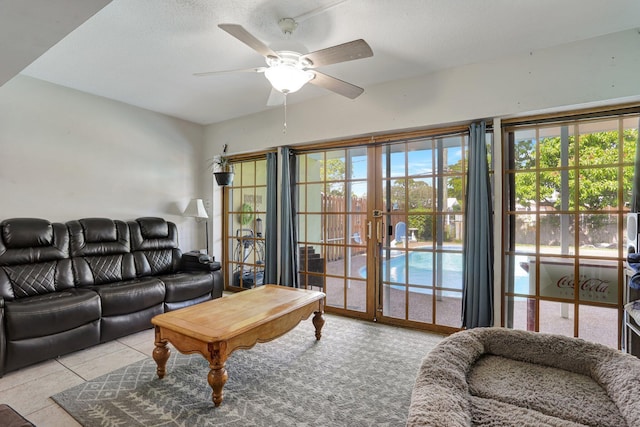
[(289, 238), (477, 268), (271, 222)]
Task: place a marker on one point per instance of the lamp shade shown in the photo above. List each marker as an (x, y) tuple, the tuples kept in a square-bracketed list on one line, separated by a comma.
[(287, 78), (196, 209)]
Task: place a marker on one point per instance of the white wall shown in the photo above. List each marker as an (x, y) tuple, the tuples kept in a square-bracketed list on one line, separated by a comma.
[(603, 69), (69, 155)]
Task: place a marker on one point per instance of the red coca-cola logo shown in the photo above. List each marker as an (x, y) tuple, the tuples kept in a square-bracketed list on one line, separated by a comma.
[(584, 283)]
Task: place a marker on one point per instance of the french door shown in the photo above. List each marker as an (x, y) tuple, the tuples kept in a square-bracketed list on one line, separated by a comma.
[(380, 229)]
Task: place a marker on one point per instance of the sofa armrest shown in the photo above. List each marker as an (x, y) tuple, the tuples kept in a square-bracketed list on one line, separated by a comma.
[(3, 338), (192, 261), (218, 284)]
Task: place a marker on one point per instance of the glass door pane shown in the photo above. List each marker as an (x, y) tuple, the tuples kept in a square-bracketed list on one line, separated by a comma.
[(421, 253), (332, 226)]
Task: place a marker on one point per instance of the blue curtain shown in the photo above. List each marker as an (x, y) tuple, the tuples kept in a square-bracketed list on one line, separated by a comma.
[(289, 238), (271, 222), (477, 264)]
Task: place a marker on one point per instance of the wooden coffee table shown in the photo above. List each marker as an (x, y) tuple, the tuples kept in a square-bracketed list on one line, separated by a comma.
[(216, 328)]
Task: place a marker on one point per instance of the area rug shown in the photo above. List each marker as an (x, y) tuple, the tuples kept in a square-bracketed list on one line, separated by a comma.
[(359, 374)]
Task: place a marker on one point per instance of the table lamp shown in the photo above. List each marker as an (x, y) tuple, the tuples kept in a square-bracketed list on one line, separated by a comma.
[(196, 209)]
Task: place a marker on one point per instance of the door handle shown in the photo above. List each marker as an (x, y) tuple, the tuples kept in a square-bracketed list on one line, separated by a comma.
[(369, 230)]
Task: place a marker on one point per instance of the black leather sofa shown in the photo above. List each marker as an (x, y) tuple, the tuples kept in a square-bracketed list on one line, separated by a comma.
[(65, 287)]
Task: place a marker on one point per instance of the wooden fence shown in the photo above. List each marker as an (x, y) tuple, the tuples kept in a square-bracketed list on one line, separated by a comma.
[(338, 233)]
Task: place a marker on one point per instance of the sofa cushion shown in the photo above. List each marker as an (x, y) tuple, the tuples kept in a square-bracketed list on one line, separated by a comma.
[(50, 313), (98, 270), (100, 251), (155, 245), (152, 234), (19, 281), (128, 297), (98, 236), (154, 263), (33, 258), (170, 306), (32, 240), (32, 350), (153, 228), (113, 327), (187, 286), (27, 233)]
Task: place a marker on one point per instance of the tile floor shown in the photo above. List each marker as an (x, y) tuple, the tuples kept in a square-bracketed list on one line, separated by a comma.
[(27, 390)]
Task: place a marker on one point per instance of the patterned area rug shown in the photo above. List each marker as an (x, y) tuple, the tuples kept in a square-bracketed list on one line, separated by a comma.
[(359, 374)]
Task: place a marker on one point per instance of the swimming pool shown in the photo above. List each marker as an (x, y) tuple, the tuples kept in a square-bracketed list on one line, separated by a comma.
[(418, 271)]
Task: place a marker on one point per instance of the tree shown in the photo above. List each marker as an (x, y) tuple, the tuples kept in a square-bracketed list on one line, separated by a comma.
[(597, 157), (335, 171)]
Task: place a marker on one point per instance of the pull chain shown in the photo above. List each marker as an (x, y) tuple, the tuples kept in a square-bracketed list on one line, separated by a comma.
[(284, 128)]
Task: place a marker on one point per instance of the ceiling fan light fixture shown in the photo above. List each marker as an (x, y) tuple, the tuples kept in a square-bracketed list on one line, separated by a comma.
[(287, 78)]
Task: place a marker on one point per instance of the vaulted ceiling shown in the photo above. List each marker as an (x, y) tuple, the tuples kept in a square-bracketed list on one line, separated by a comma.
[(144, 52)]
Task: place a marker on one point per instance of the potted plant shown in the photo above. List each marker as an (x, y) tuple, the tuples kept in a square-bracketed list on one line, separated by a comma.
[(222, 168)]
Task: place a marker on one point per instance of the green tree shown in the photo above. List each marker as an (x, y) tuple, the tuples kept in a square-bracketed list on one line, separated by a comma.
[(597, 184), (335, 171), (454, 184), (422, 220)]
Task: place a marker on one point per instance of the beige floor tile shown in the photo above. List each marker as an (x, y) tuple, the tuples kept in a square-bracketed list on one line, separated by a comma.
[(145, 348), (52, 416), (92, 353), (140, 338), (30, 373), (95, 367), (34, 395)]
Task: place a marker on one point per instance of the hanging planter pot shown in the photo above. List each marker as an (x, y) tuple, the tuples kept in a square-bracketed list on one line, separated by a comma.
[(223, 169), (223, 178)]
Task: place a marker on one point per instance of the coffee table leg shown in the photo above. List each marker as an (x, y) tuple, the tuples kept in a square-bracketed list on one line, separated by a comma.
[(318, 322), (218, 374), (217, 378), (161, 354)]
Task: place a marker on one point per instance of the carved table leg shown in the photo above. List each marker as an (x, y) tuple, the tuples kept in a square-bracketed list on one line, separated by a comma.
[(218, 374), (217, 378), (161, 354), (318, 322)]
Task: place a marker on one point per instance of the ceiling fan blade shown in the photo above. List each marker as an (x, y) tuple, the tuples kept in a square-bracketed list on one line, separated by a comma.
[(241, 70), (356, 49), (336, 85), (275, 98), (247, 38)]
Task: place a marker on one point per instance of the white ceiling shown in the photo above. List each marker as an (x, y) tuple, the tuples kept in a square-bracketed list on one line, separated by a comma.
[(144, 52)]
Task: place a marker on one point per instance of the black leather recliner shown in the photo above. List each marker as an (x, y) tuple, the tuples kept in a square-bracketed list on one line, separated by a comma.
[(155, 247), (102, 261), (45, 315)]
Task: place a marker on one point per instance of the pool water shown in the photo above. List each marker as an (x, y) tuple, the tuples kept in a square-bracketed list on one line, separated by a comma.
[(419, 272)]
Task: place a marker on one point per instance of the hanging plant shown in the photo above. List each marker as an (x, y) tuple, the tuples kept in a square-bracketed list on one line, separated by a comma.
[(246, 214), (222, 168)]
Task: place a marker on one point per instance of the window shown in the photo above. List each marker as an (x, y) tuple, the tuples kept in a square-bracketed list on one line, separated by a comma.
[(567, 187), (245, 201)]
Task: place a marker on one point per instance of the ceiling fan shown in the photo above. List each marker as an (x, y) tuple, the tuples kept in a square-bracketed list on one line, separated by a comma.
[(289, 71)]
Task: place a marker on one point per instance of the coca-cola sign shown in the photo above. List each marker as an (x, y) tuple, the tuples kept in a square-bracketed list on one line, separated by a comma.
[(596, 283)]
